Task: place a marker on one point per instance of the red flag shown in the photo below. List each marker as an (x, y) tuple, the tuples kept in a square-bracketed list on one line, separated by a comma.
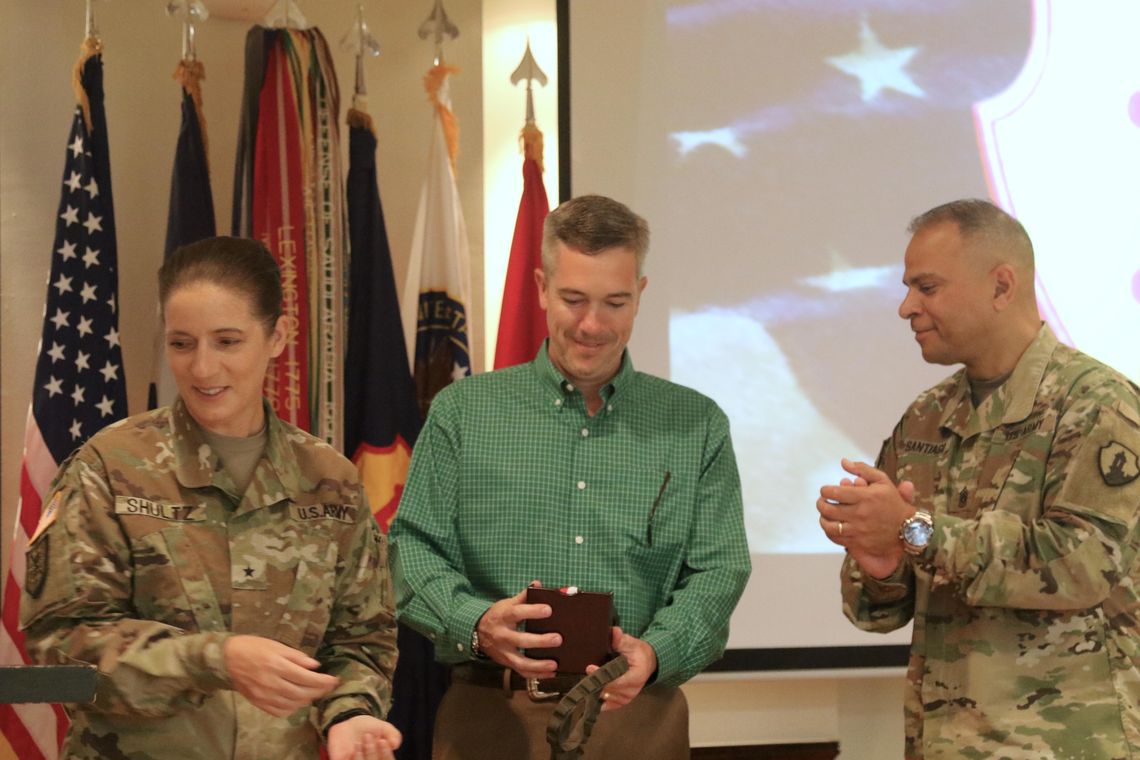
[(279, 222), (522, 324), (79, 380)]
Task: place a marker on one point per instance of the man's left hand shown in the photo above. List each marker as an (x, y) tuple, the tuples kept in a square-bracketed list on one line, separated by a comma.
[(864, 516), (642, 665), (363, 737)]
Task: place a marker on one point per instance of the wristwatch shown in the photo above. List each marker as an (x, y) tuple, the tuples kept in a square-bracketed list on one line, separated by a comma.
[(476, 650), (915, 532)]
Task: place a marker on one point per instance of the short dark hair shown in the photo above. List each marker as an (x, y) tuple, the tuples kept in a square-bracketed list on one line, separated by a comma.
[(240, 264), (591, 224), (979, 219)]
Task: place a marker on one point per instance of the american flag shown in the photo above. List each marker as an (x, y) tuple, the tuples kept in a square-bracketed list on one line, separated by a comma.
[(79, 382)]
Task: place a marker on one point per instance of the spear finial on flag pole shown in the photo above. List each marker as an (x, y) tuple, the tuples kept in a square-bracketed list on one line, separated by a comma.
[(529, 70), (360, 42), (438, 27), (192, 12)]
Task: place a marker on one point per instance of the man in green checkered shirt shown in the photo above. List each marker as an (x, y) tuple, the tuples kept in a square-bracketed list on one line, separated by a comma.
[(572, 470)]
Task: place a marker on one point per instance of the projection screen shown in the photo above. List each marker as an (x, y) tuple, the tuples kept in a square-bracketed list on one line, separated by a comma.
[(778, 149)]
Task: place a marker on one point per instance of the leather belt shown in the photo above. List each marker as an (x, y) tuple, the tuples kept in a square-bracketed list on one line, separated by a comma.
[(508, 680)]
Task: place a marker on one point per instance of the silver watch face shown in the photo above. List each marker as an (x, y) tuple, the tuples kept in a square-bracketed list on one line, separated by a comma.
[(917, 532)]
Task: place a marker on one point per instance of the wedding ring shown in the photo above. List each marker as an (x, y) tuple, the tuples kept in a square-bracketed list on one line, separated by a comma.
[(841, 528)]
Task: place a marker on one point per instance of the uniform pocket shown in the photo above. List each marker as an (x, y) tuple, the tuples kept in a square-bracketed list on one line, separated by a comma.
[(170, 583)]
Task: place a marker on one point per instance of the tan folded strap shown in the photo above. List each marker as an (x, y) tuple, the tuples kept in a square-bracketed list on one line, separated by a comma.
[(573, 719)]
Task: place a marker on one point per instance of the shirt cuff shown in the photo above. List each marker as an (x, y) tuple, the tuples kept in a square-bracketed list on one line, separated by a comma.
[(460, 626), (882, 590), (343, 708), (210, 661), (668, 655)]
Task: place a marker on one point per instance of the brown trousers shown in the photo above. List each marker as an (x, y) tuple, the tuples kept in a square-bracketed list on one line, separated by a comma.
[(478, 722)]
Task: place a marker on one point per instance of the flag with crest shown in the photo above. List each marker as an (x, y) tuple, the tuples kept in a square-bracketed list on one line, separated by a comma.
[(439, 278)]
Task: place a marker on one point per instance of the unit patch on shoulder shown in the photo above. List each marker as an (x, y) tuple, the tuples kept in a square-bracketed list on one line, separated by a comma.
[(1118, 464), (36, 565)]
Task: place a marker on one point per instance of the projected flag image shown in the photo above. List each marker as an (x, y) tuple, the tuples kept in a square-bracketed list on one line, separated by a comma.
[(841, 122)]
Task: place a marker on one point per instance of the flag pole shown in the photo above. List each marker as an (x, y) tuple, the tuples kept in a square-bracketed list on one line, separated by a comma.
[(522, 323), (90, 31)]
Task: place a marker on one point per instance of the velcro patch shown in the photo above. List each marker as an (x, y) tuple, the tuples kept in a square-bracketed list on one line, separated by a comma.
[(1118, 464), (1102, 475), (36, 567), (134, 505), (342, 512)]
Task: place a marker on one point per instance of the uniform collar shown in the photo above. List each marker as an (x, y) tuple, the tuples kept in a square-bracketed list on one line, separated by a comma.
[(197, 464), (552, 379), (1010, 403)]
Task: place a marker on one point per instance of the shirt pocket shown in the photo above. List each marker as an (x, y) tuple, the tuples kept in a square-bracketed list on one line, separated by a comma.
[(306, 606), (653, 522), (1012, 476), (170, 582)]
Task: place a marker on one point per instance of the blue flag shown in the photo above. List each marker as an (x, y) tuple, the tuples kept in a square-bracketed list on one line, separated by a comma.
[(382, 418)]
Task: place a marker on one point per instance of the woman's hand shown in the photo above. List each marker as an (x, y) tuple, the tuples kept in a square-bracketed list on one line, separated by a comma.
[(275, 678), (363, 738)]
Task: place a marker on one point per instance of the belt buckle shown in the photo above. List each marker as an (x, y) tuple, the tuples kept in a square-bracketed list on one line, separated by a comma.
[(535, 695)]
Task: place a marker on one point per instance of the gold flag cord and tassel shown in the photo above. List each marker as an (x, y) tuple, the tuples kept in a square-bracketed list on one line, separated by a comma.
[(531, 138), (433, 83), (91, 46), (190, 75)]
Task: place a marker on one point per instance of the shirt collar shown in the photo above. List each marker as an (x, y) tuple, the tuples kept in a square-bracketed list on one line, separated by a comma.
[(197, 464), (552, 379), (1010, 403)]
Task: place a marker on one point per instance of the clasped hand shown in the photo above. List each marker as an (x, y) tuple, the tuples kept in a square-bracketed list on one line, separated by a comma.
[(863, 515), (274, 677), (501, 640)]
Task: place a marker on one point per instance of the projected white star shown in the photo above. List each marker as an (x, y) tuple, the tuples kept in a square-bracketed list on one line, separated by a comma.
[(877, 67), (724, 137)]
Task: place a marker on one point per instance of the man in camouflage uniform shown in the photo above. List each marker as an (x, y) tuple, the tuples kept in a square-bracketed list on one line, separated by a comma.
[(150, 563), (1001, 516)]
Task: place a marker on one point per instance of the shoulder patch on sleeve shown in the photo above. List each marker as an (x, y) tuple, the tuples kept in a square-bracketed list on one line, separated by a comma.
[(47, 516), (36, 566), (1118, 464), (1104, 473)]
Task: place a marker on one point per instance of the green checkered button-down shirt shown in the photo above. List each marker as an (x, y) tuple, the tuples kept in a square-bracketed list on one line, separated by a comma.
[(511, 481)]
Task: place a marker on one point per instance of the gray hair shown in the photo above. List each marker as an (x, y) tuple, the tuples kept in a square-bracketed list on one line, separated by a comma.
[(980, 221), (591, 224)]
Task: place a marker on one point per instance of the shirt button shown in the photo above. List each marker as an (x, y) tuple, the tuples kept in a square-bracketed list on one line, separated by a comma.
[(578, 539), (581, 485), (609, 407), (570, 387), (558, 402), (585, 432), (459, 647)]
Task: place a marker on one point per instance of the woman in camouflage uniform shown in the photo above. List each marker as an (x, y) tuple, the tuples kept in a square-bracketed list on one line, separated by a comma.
[(219, 566)]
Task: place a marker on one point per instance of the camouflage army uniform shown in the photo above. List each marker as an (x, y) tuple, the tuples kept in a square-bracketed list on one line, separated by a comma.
[(146, 560), (1025, 604)]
